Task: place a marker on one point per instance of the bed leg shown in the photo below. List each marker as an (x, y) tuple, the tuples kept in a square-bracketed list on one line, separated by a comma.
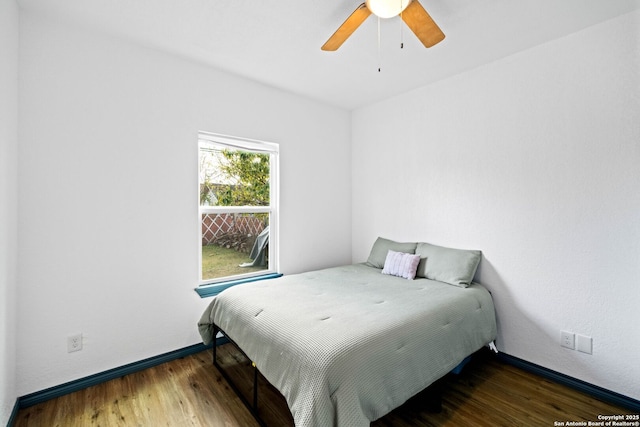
[(255, 386), (215, 335)]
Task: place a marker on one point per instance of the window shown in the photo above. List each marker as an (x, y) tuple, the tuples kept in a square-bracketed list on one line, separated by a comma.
[(238, 211)]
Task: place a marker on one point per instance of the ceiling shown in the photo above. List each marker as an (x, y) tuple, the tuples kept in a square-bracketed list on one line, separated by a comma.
[(278, 42)]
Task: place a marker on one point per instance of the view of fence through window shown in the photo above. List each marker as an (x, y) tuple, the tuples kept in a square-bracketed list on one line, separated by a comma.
[(235, 210)]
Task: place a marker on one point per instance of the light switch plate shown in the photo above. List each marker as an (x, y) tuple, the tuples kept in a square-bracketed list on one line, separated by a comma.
[(584, 344)]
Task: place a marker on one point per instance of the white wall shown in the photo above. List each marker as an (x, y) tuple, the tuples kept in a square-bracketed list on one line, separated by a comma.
[(108, 226), (535, 160), (8, 202)]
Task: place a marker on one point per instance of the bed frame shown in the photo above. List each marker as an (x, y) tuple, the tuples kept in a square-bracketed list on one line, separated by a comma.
[(432, 395), (253, 405)]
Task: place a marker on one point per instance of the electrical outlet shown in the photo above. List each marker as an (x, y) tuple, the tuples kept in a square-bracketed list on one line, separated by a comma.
[(74, 343), (567, 339), (584, 344)]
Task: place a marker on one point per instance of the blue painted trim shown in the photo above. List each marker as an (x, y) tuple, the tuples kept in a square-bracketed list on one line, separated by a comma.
[(461, 365), (14, 414), (222, 340), (582, 386), (214, 289), (82, 383)]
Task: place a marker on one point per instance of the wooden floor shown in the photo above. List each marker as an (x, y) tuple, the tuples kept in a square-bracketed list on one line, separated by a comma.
[(191, 392)]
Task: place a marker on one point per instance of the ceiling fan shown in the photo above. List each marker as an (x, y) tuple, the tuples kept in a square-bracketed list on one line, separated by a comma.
[(411, 12)]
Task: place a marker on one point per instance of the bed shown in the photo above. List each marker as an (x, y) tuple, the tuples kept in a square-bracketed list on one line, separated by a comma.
[(346, 345)]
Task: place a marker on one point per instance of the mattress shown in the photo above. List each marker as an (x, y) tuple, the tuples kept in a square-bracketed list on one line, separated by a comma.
[(347, 345)]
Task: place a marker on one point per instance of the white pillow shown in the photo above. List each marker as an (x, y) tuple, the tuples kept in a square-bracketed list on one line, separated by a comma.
[(401, 264)]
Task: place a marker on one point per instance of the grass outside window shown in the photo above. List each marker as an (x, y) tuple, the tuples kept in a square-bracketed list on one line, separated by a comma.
[(218, 261)]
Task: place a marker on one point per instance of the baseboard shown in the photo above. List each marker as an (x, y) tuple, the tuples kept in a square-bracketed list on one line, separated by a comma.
[(14, 414), (82, 383), (582, 386)]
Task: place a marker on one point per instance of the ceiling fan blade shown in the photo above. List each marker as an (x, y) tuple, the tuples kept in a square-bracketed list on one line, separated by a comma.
[(422, 25), (347, 28)]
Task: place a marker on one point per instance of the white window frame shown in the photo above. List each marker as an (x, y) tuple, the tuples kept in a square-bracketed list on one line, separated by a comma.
[(213, 286)]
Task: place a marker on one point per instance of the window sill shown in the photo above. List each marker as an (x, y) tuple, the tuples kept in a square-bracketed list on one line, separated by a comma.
[(214, 289)]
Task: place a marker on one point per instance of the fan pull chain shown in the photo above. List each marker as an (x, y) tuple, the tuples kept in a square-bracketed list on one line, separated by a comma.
[(401, 27), (379, 51)]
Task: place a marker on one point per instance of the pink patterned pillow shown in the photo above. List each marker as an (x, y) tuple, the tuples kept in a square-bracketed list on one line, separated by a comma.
[(401, 264)]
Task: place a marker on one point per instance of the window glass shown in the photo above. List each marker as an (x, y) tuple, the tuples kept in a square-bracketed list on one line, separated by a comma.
[(237, 207)]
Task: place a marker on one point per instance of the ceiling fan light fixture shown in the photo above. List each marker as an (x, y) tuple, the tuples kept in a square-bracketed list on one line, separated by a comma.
[(415, 16), (387, 8)]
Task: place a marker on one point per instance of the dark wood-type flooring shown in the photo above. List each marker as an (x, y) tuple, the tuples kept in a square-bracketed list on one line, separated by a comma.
[(191, 392)]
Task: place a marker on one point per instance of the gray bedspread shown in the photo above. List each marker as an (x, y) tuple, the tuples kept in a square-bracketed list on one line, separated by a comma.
[(347, 345)]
